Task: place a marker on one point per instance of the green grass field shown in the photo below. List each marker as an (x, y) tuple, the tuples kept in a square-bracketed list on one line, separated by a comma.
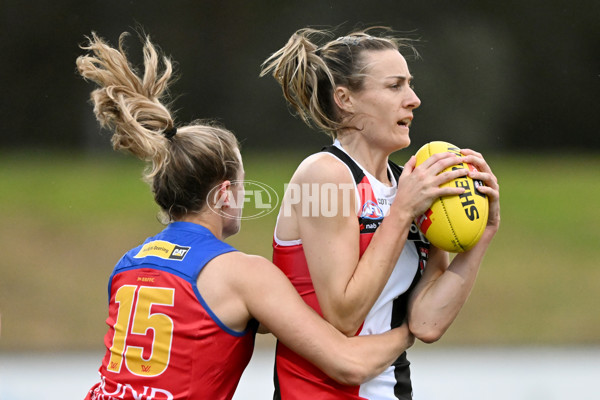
[(67, 220)]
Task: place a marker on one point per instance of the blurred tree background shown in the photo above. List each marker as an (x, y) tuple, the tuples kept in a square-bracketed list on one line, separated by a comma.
[(513, 75), (514, 79)]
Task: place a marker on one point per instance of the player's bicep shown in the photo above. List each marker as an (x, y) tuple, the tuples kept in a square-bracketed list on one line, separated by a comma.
[(327, 223), (331, 247)]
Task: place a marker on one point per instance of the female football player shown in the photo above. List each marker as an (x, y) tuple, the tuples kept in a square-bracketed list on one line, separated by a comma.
[(183, 306), (366, 270)]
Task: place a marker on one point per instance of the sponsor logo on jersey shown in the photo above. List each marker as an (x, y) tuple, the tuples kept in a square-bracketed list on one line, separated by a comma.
[(371, 210), (110, 390), (163, 249)]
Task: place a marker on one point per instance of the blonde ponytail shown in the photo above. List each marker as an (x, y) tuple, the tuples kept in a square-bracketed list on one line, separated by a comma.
[(308, 73), (299, 69), (185, 162), (126, 104)]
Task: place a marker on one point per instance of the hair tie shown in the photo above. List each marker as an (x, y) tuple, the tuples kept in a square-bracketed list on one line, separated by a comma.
[(169, 133), (349, 40)]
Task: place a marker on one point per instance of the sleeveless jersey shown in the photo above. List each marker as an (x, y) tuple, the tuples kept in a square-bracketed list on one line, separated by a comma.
[(296, 378), (163, 341)]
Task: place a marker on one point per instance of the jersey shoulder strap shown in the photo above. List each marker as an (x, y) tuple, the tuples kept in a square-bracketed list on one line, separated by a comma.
[(357, 172), (396, 169)]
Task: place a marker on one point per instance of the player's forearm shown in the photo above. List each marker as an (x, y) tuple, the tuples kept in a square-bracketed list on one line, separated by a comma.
[(435, 308), (369, 356), (370, 276)]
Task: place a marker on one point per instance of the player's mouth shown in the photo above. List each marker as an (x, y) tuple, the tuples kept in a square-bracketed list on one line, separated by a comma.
[(405, 122)]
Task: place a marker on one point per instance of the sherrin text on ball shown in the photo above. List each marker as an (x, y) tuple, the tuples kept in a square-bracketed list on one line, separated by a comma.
[(454, 223)]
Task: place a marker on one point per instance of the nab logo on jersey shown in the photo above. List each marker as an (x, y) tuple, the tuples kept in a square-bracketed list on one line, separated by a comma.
[(371, 210)]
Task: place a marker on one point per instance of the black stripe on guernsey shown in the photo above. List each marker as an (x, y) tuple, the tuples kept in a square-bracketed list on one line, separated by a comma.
[(277, 391), (367, 225), (403, 386), (357, 172)]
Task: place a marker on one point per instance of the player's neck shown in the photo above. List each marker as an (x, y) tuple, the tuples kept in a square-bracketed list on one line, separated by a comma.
[(210, 220), (374, 160)]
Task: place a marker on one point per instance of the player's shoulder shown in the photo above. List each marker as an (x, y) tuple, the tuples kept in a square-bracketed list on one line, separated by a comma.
[(242, 260), (247, 270), (322, 167)]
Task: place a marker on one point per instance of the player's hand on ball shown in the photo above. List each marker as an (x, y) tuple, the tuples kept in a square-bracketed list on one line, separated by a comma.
[(419, 186), (454, 222), (491, 189)]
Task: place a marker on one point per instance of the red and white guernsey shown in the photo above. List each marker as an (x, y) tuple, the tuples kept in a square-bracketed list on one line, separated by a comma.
[(163, 341), (296, 378)]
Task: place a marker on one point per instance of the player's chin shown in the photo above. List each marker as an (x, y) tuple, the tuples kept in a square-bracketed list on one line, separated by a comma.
[(401, 139)]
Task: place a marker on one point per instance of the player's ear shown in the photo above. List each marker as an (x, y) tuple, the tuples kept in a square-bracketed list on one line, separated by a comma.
[(223, 195), (343, 99)]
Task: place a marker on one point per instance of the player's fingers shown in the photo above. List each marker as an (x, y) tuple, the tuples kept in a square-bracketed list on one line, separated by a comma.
[(450, 175), (489, 191), (440, 161), (410, 164), (486, 177), (478, 161), (449, 191), (467, 152)]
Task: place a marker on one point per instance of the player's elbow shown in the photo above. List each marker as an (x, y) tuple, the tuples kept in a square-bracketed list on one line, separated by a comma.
[(345, 316), (352, 374), (345, 324), (350, 328), (427, 334), (429, 338)]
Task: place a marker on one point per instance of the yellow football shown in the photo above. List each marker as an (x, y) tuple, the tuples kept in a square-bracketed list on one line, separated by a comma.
[(454, 223)]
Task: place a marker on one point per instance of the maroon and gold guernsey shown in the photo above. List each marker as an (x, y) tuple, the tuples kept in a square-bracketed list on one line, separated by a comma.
[(163, 341)]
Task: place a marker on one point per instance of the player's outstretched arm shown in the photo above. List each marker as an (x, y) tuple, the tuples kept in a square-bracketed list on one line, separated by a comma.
[(273, 301)]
